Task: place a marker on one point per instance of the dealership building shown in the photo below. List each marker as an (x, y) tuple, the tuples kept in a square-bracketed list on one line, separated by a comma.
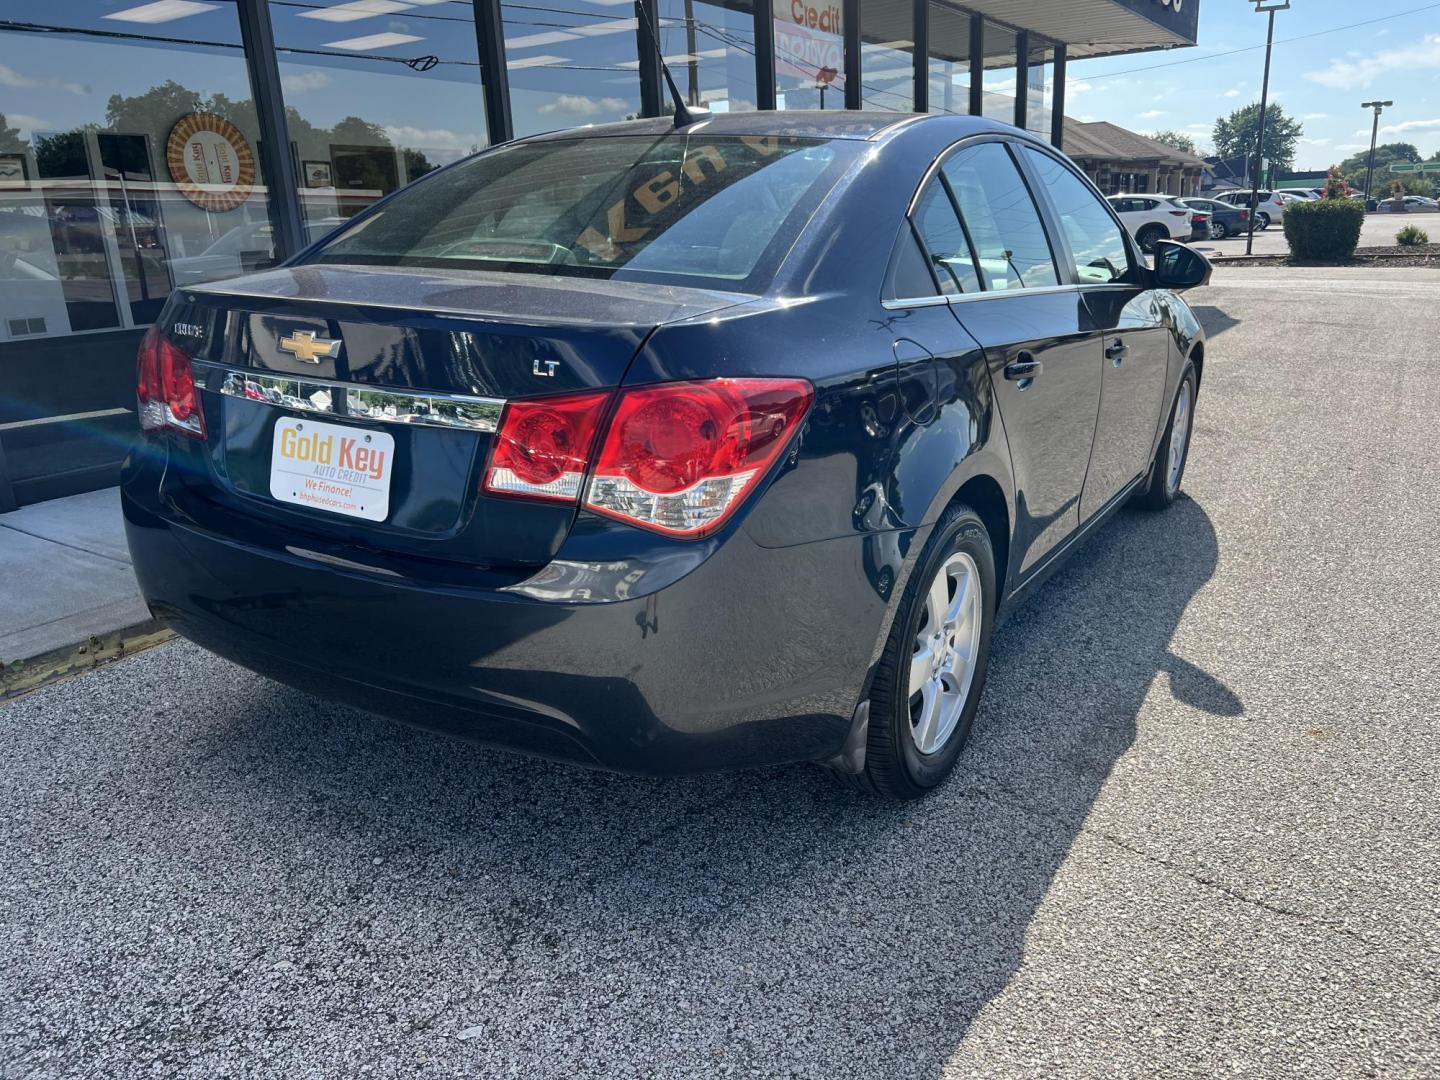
[(137, 136)]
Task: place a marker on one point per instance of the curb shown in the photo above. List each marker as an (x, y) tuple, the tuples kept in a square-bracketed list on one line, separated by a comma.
[(20, 677)]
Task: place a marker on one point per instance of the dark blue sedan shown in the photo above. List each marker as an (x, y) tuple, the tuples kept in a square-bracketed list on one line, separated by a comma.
[(668, 449)]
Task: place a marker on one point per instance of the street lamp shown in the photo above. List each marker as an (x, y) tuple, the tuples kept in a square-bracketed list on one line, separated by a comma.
[(1378, 106), (1262, 7)]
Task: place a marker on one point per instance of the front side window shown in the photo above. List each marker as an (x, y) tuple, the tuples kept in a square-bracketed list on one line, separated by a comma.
[(722, 209), (1096, 241), (1001, 219)]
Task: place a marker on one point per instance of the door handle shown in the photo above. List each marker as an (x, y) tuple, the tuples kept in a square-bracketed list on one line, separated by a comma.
[(1116, 351), (1023, 369)]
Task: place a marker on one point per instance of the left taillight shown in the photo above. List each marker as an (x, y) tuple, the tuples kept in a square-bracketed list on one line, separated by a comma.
[(165, 386), (542, 448)]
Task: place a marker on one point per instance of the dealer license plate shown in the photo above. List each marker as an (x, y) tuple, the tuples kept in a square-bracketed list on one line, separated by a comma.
[(342, 470)]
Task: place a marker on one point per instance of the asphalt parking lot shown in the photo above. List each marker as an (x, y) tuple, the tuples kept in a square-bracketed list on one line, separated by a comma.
[(1196, 832)]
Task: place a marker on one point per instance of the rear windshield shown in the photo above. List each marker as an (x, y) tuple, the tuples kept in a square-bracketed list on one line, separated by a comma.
[(684, 209)]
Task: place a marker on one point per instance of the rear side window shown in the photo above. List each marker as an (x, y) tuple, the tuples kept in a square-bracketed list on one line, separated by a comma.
[(719, 211), (950, 252), (1000, 217), (1096, 241)]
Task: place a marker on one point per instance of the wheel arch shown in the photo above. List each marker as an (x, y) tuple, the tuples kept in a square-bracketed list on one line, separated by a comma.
[(983, 494)]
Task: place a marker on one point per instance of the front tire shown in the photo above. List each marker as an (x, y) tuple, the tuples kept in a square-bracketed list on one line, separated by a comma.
[(928, 682), (1262, 221), (1167, 468)]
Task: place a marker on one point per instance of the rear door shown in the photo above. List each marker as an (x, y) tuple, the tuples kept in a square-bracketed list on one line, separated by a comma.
[(1044, 359), (1125, 317)]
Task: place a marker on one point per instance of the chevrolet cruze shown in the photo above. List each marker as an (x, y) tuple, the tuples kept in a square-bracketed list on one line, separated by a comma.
[(666, 448)]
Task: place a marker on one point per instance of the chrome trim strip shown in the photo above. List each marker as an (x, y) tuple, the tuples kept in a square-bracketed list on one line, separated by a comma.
[(965, 298), (384, 404)]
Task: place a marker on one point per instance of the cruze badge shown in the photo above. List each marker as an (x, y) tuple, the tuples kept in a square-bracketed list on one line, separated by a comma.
[(304, 346)]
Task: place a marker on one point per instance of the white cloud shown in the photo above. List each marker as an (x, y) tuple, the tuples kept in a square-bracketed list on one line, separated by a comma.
[(1314, 116), (1077, 86), (14, 79), (1153, 114), (1409, 126), (1313, 142), (303, 81), (1350, 147), (580, 105), (1232, 92), (1361, 71), (433, 138), (26, 122)]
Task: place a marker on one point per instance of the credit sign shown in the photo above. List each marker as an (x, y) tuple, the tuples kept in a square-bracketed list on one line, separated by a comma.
[(343, 470)]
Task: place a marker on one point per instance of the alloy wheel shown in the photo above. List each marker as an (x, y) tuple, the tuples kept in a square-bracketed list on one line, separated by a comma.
[(946, 649), (1179, 436)]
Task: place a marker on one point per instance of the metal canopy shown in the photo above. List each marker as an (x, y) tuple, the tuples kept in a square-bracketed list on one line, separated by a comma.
[(1098, 27)]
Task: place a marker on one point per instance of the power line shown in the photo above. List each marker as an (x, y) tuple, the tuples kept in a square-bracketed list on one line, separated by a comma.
[(1253, 48)]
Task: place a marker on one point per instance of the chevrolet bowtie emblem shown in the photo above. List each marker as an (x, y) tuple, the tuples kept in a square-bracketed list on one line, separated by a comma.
[(303, 346)]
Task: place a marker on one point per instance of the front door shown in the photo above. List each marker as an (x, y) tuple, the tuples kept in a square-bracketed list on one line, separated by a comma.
[(1123, 318), (1043, 356)]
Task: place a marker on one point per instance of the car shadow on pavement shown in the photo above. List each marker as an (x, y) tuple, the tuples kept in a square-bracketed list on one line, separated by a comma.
[(1213, 319), (579, 923)]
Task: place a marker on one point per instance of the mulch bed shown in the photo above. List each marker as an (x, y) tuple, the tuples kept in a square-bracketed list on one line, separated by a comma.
[(1391, 255)]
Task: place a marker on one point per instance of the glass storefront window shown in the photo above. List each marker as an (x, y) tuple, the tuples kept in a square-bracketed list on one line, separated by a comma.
[(999, 73), (129, 161), (710, 49), (809, 54), (887, 55), (949, 64), (1037, 98), (376, 95), (570, 62)]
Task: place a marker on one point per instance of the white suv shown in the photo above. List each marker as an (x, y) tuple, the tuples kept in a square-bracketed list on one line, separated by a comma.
[(1151, 218), (1270, 207)]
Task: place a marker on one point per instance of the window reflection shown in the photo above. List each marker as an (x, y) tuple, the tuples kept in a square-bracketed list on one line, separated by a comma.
[(887, 55), (949, 64), (375, 99), (571, 62), (710, 49), (809, 54), (999, 73), (118, 182)]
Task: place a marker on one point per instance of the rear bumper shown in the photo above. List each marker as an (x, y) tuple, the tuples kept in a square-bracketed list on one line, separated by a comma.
[(755, 656)]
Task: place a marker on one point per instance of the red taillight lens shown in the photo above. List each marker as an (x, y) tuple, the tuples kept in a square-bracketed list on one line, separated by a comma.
[(1179, 213), (680, 457), (1244, 215), (165, 386), (543, 447)]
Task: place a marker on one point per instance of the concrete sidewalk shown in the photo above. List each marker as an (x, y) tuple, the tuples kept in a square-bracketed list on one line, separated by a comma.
[(65, 575)]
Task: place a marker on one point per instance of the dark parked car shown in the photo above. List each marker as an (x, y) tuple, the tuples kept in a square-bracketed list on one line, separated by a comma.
[(669, 450), (1225, 219)]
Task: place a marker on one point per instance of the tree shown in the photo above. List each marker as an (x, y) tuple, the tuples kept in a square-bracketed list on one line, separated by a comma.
[(1237, 134), (10, 141), (1354, 167), (1177, 140)]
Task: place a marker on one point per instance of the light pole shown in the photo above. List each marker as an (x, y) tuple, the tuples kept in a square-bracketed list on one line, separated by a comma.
[(1262, 7), (1378, 106)]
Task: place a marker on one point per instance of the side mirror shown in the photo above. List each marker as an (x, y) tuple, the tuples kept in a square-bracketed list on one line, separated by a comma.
[(1179, 267)]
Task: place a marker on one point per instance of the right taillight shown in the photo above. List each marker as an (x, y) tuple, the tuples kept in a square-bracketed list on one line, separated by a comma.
[(680, 457), (165, 387)]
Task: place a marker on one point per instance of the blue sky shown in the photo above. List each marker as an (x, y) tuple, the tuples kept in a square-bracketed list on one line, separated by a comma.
[(1320, 80)]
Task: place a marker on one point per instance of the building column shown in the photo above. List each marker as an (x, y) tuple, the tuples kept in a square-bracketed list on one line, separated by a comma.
[(277, 164), (652, 90), (1057, 99), (977, 65), (764, 55), (850, 60), (494, 75), (1022, 78), (921, 55)]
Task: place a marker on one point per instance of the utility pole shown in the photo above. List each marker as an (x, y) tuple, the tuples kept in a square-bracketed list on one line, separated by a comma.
[(1378, 106), (1262, 7)]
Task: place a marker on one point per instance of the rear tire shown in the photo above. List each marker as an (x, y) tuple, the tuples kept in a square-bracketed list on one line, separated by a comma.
[(915, 738), (1149, 236), (1262, 221), (1167, 468)]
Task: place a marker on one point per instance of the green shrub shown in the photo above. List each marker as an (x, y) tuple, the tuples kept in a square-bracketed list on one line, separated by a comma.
[(1324, 229), (1412, 236)]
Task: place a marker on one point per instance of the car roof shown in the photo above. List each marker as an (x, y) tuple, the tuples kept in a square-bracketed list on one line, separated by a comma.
[(802, 123)]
